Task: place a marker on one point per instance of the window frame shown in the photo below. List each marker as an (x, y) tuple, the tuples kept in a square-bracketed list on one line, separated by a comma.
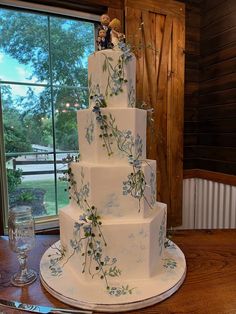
[(50, 222)]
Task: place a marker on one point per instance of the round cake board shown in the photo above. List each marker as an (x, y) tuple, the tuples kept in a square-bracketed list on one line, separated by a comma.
[(125, 296)]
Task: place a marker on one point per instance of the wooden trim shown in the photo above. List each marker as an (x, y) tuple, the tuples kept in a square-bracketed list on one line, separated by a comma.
[(48, 231), (161, 7), (210, 175), (87, 6), (74, 4), (1, 216)]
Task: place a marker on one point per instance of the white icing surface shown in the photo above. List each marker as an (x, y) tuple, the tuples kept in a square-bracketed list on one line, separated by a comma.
[(134, 227), (137, 244), (100, 75), (105, 184), (91, 145)]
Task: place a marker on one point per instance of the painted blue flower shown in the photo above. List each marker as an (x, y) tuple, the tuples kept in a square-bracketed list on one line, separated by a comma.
[(131, 159), (153, 188), (79, 196), (96, 109), (125, 191), (127, 54), (99, 101), (99, 118), (114, 260), (85, 190), (127, 188), (170, 263), (74, 244), (121, 45), (139, 145), (115, 89), (83, 218), (137, 163), (118, 291), (115, 77), (77, 226), (87, 229), (127, 134), (106, 259), (98, 245), (89, 135)]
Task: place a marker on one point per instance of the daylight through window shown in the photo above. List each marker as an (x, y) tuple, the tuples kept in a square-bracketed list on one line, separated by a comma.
[(43, 82)]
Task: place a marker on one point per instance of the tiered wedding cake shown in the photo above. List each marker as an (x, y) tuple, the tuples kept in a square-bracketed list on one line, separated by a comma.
[(113, 253), (115, 177)]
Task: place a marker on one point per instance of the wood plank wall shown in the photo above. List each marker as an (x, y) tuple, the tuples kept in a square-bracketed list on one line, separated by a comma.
[(210, 86), (216, 150), (192, 73)]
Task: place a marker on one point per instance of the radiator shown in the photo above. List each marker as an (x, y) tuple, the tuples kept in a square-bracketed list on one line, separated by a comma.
[(208, 204)]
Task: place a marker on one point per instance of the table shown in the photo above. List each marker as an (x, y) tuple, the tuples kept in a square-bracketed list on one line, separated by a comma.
[(209, 287)]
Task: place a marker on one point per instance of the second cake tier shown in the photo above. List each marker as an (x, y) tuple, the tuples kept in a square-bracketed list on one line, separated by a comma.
[(112, 135), (115, 190)]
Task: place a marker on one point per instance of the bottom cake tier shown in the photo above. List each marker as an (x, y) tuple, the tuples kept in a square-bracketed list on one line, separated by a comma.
[(133, 249), (124, 295)]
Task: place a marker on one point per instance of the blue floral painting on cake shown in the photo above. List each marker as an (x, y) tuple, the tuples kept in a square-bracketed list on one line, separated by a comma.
[(162, 233), (169, 263), (89, 131), (153, 188), (131, 96)]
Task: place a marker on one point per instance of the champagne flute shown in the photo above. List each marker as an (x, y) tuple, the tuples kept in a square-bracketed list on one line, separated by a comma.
[(22, 240)]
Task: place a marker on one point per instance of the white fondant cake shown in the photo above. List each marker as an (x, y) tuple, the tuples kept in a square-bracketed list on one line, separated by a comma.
[(130, 241), (113, 229), (106, 71), (126, 119)]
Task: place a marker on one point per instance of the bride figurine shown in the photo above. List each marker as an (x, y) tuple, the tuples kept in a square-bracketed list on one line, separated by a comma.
[(116, 35)]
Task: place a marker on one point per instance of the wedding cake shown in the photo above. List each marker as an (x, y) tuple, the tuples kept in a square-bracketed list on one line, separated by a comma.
[(113, 180), (113, 253)]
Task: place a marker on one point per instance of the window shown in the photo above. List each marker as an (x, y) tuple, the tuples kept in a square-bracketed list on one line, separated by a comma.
[(43, 82)]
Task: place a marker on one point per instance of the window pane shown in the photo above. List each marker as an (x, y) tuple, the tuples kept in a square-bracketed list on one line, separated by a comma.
[(43, 82), (26, 118), (31, 182), (23, 47), (67, 102), (71, 42)]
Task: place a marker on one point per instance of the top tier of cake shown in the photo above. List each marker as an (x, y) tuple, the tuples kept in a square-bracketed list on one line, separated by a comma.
[(112, 75)]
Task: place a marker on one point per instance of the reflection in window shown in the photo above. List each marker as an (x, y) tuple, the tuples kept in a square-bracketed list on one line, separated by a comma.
[(43, 82)]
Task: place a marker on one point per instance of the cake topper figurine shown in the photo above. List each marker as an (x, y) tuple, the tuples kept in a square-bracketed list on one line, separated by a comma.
[(116, 35), (109, 33), (101, 40), (104, 42)]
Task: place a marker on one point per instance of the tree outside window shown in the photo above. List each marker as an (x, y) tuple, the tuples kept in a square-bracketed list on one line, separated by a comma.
[(43, 82)]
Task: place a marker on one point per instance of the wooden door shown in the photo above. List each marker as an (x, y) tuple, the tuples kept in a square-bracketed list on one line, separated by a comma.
[(156, 30)]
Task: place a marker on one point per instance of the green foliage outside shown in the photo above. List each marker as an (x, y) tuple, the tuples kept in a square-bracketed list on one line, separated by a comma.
[(14, 179), (15, 132), (43, 111), (49, 198), (25, 37), (26, 196)]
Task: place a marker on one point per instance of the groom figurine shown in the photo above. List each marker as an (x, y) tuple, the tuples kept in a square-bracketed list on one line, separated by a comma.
[(105, 21)]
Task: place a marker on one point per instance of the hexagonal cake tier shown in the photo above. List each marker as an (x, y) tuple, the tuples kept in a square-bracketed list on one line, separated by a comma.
[(115, 190), (122, 132), (136, 244)]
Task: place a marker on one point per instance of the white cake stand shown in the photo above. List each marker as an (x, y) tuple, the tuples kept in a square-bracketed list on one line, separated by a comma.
[(89, 295)]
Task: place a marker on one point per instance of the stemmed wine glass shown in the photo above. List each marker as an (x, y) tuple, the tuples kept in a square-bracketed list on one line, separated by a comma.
[(22, 240)]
